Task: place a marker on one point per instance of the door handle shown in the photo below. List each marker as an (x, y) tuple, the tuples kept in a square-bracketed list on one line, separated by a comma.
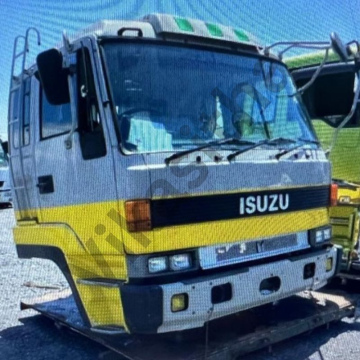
[(45, 184), (41, 184)]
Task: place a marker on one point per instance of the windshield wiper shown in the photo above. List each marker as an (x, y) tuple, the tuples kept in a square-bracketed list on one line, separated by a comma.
[(228, 141), (305, 141), (284, 152), (275, 141)]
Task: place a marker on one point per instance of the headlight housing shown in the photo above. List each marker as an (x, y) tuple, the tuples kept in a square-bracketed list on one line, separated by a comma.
[(157, 264), (320, 236), (180, 262), (170, 263)]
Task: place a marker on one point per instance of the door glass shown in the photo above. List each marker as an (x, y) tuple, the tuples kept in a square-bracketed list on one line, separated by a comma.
[(55, 119)]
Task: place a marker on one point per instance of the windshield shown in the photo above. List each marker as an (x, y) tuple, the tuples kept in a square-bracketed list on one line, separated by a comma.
[(176, 98)]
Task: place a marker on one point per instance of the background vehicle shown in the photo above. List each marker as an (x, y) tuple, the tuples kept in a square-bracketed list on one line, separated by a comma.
[(163, 166), (5, 188), (336, 119)]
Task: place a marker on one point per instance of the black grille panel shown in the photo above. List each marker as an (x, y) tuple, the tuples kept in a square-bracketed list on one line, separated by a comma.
[(166, 212)]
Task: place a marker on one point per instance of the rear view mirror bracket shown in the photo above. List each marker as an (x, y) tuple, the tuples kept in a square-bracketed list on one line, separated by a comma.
[(338, 47), (342, 50), (353, 106)]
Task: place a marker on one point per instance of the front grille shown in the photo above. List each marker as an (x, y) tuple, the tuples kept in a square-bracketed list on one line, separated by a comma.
[(245, 249), (339, 221), (227, 254), (279, 242)]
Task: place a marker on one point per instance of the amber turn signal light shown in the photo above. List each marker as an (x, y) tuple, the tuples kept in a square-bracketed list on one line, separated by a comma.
[(333, 194), (138, 217)]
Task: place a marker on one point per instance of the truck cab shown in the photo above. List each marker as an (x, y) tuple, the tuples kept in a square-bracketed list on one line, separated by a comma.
[(161, 164), (329, 102)]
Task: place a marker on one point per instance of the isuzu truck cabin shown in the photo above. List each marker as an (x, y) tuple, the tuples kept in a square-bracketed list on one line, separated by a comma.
[(166, 167)]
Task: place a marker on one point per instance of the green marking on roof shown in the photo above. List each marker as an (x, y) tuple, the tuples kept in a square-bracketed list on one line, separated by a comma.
[(241, 35), (184, 24), (214, 30)]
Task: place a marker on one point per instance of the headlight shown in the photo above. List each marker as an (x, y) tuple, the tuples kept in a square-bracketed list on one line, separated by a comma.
[(320, 235), (157, 264), (180, 262), (327, 234)]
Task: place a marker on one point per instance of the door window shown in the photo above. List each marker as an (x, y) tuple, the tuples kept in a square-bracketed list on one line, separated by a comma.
[(14, 117), (55, 119)]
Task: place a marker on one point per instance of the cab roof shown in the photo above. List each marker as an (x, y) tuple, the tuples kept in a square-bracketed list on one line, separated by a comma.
[(161, 26)]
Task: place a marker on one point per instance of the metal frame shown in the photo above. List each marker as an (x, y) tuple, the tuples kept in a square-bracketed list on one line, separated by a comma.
[(319, 45), (241, 334)]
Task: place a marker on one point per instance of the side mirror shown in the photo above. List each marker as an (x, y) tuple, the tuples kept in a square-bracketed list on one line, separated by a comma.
[(338, 46), (5, 146), (53, 76)]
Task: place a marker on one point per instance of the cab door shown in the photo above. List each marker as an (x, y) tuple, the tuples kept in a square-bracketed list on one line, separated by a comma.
[(74, 182)]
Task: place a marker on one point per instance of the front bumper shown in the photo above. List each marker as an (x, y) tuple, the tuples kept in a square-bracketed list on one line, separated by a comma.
[(5, 196), (147, 309)]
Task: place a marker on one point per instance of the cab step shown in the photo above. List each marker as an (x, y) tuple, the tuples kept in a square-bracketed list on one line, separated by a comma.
[(113, 283)]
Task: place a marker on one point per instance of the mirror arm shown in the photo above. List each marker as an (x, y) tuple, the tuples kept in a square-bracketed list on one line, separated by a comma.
[(348, 47), (319, 45), (325, 47), (348, 116), (314, 77), (67, 47)]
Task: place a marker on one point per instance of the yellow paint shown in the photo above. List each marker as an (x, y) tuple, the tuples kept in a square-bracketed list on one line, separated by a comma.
[(345, 166), (26, 222), (224, 231), (57, 235), (353, 194), (115, 238), (345, 227), (103, 305), (94, 244), (345, 152)]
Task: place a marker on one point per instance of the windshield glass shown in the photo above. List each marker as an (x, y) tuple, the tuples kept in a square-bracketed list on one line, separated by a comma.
[(176, 98)]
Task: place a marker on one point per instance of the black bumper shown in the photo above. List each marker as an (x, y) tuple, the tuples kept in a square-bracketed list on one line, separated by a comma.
[(143, 307)]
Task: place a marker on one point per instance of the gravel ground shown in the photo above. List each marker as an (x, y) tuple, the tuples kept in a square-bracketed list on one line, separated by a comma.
[(28, 336)]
